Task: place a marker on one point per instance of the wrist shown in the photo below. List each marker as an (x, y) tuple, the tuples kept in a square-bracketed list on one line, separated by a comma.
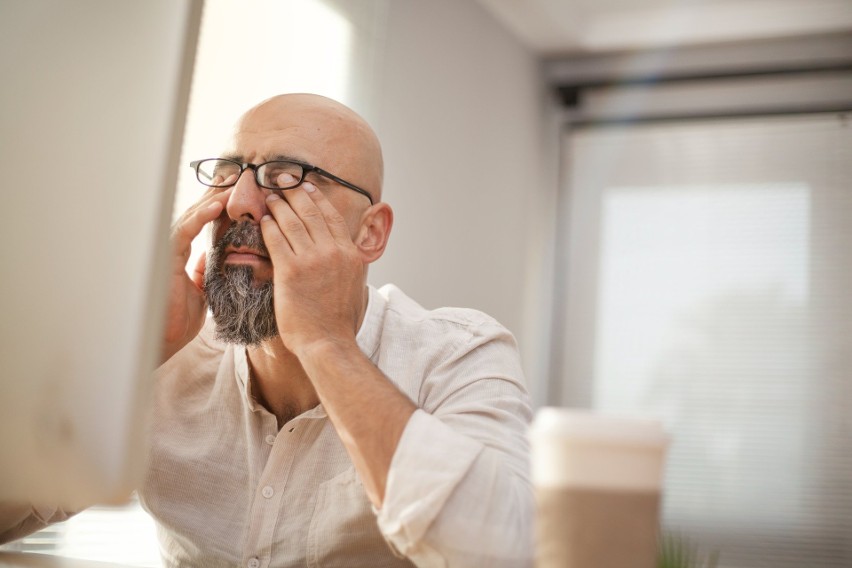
[(326, 349)]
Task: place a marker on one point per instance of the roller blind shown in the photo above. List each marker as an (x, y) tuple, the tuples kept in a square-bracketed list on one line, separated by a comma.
[(708, 282)]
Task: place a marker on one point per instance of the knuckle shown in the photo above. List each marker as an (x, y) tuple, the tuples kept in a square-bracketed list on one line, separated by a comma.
[(179, 229), (311, 214), (335, 217), (292, 225)]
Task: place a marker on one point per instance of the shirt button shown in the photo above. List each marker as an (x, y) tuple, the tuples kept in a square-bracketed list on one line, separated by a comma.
[(270, 439), (254, 563), (267, 492)]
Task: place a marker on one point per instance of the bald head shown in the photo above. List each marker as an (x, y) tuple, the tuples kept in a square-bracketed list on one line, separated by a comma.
[(316, 130), (309, 129)]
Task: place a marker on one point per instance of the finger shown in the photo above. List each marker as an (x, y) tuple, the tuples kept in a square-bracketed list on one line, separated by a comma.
[(211, 194), (310, 215), (198, 271), (291, 226), (332, 219), (189, 226), (275, 241), (219, 180), (304, 208), (206, 209)]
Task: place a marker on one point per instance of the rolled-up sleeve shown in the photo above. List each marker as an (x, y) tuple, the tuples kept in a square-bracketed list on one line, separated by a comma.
[(458, 491)]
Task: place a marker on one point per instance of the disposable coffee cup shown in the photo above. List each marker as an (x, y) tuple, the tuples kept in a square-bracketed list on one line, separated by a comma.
[(598, 482)]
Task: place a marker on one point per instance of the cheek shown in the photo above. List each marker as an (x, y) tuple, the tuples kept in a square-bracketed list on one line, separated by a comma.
[(353, 223), (348, 209)]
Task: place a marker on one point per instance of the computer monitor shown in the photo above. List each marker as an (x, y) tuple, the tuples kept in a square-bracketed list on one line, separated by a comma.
[(92, 110)]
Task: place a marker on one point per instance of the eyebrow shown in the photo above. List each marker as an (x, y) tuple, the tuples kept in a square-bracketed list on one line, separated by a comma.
[(287, 158)]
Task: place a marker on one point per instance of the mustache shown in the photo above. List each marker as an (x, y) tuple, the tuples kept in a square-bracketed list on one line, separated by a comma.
[(241, 234), (243, 310)]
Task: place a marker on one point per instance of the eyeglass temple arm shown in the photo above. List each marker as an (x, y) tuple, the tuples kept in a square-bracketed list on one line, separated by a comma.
[(194, 166), (341, 181)]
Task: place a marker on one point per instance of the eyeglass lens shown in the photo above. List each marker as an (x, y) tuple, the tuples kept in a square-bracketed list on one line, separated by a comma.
[(215, 172)]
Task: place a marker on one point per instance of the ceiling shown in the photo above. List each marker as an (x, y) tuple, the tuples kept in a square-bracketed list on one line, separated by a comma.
[(557, 27)]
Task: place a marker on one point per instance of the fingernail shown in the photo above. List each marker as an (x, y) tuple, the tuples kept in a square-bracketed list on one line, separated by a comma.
[(214, 205), (273, 197), (309, 187), (284, 179), (266, 218)]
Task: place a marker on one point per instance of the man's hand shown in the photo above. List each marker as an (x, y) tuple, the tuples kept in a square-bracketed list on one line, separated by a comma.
[(187, 304), (319, 302), (318, 272)]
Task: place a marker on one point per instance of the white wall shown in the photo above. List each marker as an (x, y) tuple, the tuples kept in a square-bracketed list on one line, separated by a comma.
[(469, 138), (470, 161)]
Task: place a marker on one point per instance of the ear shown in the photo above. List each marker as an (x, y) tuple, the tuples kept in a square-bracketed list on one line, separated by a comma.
[(374, 231)]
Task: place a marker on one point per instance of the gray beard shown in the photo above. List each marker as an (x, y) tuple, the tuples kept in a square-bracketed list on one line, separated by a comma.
[(243, 311)]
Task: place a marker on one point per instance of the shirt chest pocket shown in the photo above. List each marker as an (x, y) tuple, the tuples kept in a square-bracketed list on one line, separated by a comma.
[(343, 531)]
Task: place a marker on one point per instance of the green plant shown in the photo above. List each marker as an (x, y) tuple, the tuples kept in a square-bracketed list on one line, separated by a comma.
[(677, 551)]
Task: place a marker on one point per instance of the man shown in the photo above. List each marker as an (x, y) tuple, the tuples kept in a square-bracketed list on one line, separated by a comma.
[(316, 420)]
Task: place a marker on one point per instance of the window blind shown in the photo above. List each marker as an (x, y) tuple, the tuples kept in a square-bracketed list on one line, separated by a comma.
[(708, 282)]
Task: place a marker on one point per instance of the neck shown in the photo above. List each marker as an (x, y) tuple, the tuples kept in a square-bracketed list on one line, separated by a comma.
[(279, 382)]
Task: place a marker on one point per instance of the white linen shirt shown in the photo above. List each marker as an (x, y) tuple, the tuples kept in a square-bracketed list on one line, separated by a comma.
[(228, 488)]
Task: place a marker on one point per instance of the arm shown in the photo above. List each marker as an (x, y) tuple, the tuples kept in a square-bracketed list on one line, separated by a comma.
[(368, 412), (458, 490), (451, 480), (320, 295)]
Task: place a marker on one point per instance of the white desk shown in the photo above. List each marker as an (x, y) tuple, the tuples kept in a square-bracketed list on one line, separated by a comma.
[(21, 560)]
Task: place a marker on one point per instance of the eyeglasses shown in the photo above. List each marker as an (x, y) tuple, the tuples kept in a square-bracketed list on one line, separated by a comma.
[(266, 174)]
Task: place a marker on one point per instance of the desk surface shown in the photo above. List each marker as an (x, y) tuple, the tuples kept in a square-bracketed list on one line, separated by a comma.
[(21, 560)]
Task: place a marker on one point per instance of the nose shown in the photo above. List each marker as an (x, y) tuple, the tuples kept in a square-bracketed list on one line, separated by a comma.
[(248, 200)]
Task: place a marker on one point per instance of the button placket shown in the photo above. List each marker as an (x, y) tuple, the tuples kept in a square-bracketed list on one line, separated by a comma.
[(267, 504)]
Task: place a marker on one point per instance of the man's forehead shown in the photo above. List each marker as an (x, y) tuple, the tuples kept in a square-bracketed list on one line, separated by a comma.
[(277, 144), (299, 134), (313, 129), (294, 112)]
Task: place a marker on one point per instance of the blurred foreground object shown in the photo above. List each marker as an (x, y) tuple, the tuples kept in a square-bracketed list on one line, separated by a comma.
[(598, 481), (92, 116)]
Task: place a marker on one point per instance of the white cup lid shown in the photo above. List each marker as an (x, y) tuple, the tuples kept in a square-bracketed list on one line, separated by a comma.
[(580, 448)]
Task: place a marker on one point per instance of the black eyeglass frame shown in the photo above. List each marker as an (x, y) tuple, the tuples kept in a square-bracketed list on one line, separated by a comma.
[(306, 169)]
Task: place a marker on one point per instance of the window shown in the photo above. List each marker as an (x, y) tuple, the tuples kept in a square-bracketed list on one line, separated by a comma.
[(709, 283)]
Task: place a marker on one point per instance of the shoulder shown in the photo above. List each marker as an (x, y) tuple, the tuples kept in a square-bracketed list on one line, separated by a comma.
[(402, 313), (445, 348), (458, 365), (199, 360)]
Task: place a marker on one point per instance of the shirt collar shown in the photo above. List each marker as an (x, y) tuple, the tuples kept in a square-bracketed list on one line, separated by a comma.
[(370, 333)]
